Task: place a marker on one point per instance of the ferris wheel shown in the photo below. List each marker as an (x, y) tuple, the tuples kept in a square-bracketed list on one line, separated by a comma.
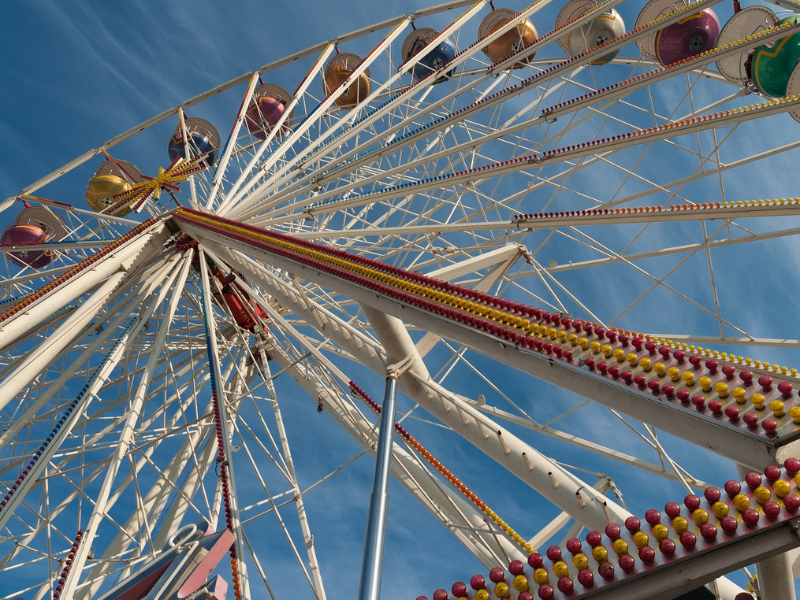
[(536, 263)]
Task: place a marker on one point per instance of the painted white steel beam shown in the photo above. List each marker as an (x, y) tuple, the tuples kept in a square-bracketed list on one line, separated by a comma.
[(534, 161), (561, 68), (507, 254), (228, 85), (224, 417), (232, 194), (351, 160), (536, 224), (702, 340), (126, 437), (551, 480), (460, 518), (231, 142), (545, 476), (6, 248), (128, 256), (501, 260), (302, 516), (646, 215), (738, 445), (61, 339), (236, 193), (56, 386), (368, 353)]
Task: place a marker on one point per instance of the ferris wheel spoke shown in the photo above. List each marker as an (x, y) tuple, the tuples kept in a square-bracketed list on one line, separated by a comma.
[(541, 77), (352, 160), (497, 442), (494, 446), (62, 468), (13, 286), (672, 250), (223, 423), (112, 500), (275, 316), (398, 143), (659, 282), (499, 262), (627, 86), (503, 65), (635, 461), (236, 193), (63, 290), (346, 336), (61, 339), (111, 469), (458, 515), (53, 388), (606, 395), (316, 583), (45, 453), (302, 516), (232, 195), (229, 144), (64, 339), (559, 156)]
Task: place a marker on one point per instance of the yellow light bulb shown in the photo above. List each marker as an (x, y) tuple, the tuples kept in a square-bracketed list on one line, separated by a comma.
[(741, 502), (560, 569), (680, 524), (501, 590), (600, 554), (660, 532), (762, 494), (580, 561), (620, 547), (781, 488), (777, 408), (720, 509)]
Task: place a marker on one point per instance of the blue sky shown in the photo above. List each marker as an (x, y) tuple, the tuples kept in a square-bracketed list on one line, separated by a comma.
[(76, 75)]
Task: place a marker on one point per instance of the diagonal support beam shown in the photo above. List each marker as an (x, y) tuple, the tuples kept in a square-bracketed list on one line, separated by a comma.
[(526, 345)]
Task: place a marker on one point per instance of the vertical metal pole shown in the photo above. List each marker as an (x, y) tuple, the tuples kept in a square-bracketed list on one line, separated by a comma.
[(370, 586)]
